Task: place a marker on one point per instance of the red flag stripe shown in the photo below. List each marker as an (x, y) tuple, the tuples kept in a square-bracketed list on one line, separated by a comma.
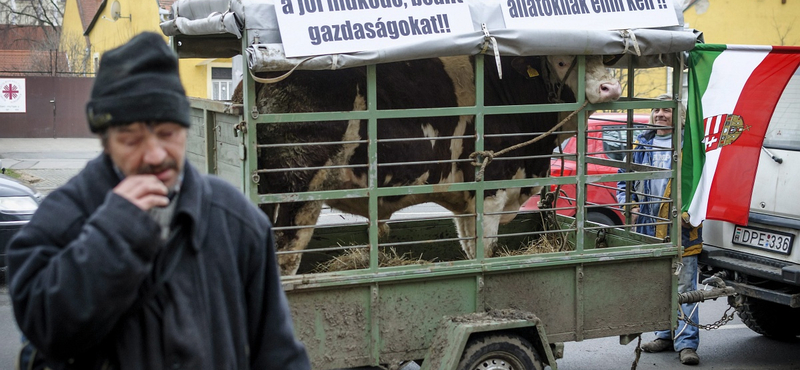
[(756, 104)]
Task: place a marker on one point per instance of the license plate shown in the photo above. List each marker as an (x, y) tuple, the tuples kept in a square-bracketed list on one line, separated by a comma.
[(768, 240)]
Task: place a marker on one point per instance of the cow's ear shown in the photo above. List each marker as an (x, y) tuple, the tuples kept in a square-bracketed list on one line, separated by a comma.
[(524, 67), (610, 60)]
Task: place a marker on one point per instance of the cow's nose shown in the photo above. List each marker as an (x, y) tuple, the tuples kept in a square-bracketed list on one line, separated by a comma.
[(610, 91)]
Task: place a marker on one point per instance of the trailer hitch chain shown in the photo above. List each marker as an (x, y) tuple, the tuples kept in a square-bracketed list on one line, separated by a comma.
[(719, 289)]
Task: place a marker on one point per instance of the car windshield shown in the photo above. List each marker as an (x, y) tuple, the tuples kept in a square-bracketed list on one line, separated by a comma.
[(614, 140), (783, 131)]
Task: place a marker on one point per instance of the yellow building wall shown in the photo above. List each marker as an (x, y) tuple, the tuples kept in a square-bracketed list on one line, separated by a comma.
[(107, 33), (135, 17), (194, 77), (756, 22), (71, 29)]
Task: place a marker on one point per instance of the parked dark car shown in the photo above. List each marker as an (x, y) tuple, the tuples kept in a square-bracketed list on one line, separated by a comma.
[(606, 135), (18, 202)]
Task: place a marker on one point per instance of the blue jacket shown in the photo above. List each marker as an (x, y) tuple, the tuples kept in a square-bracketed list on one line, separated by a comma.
[(691, 237), (81, 263)]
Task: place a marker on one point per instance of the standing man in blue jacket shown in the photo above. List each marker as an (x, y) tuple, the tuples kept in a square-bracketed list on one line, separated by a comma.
[(141, 262), (653, 148)]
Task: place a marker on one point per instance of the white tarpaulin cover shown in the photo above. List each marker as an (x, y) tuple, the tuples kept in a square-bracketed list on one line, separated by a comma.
[(655, 47)]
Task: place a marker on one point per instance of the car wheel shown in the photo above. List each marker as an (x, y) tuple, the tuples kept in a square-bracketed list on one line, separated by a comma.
[(499, 352), (767, 318), (600, 218)]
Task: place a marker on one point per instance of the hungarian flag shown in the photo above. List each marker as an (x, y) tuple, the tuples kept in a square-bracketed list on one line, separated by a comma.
[(733, 91)]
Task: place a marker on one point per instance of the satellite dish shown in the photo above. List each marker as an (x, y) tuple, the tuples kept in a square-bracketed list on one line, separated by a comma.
[(115, 10)]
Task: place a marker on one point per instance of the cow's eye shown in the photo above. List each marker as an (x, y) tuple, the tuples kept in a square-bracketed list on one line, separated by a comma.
[(562, 64)]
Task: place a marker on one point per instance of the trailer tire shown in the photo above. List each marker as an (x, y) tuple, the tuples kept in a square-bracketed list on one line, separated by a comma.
[(770, 319), (499, 352), (600, 218)]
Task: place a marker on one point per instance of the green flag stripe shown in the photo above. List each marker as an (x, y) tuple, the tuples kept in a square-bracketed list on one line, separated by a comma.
[(701, 61), (710, 47)]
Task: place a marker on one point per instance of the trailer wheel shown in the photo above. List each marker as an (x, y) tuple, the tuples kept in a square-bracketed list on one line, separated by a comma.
[(600, 218), (499, 352), (768, 318)]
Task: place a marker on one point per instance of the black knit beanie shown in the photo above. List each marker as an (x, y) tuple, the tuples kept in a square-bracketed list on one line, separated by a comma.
[(138, 82)]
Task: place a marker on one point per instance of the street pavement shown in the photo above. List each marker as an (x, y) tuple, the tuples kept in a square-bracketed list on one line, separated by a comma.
[(47, 163)]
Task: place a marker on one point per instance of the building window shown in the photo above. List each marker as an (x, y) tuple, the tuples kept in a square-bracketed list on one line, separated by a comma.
[(221, 83)]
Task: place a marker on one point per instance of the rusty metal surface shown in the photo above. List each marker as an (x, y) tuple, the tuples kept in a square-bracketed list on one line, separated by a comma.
[(408, 314), (548, 293), (334, 325), (386, 321), (630, 297)]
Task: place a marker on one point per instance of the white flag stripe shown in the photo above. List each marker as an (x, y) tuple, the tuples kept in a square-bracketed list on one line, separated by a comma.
[(728, 75), (748, 48), (699, 205)]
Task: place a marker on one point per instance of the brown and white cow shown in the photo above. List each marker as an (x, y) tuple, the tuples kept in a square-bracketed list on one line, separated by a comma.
[(439, 82)]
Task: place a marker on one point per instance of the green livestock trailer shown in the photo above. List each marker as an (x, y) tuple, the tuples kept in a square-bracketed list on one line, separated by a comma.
[(370, 295)]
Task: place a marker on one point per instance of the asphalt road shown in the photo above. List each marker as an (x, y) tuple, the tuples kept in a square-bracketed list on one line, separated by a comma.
[(733, 347), (9, 334)]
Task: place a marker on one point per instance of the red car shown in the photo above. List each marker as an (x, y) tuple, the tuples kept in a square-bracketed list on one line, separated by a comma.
[(606, 135)]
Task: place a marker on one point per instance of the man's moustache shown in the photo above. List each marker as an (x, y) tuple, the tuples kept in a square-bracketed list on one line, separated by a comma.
[(151, 170)]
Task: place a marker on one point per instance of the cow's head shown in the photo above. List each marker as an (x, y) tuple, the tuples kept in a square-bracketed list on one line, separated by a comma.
[(601, 85)]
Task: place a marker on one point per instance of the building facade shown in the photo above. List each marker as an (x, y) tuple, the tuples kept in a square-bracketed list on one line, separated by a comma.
[(99, 25)]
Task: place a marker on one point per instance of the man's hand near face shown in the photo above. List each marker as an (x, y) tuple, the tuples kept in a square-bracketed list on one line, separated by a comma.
[(144, 191)]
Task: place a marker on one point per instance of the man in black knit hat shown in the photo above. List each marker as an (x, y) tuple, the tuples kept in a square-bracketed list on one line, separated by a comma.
[(141, 262)]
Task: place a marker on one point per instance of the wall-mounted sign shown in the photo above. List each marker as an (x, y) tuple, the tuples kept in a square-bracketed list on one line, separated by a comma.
[(12, 95), (588, 14), (315, 27)]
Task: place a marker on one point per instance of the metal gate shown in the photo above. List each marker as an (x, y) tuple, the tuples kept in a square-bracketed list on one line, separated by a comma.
[(55, 108)]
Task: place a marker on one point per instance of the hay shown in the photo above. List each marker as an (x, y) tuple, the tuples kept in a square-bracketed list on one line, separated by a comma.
[(358, 258), (548, 243)]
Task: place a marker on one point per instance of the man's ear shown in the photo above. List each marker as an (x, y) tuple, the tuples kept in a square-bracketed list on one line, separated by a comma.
[(103, 136)]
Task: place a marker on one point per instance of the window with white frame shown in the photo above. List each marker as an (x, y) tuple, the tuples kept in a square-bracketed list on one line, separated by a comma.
[(221, 83)]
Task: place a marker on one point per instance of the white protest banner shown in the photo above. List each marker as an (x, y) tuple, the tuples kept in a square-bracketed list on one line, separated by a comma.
[(12, 95), (588, 14), (315, 27)]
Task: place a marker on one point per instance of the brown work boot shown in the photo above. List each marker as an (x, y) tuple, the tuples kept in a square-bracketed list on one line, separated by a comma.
[(658, 345), (689, 357)]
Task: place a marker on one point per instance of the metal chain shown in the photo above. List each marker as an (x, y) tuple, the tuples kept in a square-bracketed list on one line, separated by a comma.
[(638, 352), (726, 318), (715, 280)]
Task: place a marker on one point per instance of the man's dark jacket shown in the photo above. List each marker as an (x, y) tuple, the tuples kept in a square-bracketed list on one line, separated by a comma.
[(87, 255)]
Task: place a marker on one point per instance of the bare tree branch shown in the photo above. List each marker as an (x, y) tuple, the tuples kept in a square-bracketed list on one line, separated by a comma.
[(35, 26), (47, 13), (782, 34)]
